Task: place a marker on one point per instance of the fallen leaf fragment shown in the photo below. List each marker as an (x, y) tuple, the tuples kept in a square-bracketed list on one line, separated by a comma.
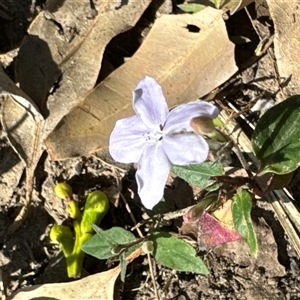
[(286, 18), (97, 286), (267, 258), (187, 65), (224, 214), (11, 170), (7, 58), (12, 166), (23, 124)]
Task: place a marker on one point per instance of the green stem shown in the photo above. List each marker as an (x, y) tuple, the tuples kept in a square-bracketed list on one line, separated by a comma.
[(75, 259)]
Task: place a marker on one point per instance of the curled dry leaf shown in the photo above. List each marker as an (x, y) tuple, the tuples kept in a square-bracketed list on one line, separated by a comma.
[(23, 124), (12, 167), (189, 55), (286, 18)]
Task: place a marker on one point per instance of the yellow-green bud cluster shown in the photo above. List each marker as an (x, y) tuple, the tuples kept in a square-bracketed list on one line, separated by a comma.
[(95, 209)]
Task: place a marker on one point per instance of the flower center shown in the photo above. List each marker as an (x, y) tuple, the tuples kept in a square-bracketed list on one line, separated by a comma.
[(155, 135)]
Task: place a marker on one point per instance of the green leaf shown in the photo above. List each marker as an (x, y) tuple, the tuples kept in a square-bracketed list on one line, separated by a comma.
[(276, 138), (199, 175), (102, 243), (176, 254), (241, 209), (191, 7)]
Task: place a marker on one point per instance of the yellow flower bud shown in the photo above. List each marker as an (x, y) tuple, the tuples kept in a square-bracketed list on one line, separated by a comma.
[(64, 237), (63, 191), (96, 207)]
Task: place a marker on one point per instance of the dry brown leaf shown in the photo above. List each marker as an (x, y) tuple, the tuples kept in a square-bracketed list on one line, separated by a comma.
[(7, 58), (97, 286), (22, 123), (267, 258), (11, 170), (187, 64), (286, 18), (71, 52)]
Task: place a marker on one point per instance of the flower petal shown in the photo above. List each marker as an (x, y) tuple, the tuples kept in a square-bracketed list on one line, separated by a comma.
[(185, 148), (152, 174), (149, 103), (127, 140), (179, 118)]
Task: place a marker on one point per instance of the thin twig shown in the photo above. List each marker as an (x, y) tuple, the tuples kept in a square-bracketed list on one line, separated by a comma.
[(2, 290), (142, 286), (242, 160), (141, 235), (109, 165), (167, 216), (131, 214)]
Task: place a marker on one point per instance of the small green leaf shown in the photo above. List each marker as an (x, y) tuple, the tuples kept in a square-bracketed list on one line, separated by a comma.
[(241, 209), (101, 244), (276, 138), (191, 7), (176, 254), (199, 175)]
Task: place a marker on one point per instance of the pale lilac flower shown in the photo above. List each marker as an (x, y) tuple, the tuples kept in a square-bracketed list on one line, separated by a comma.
[(157, 138)]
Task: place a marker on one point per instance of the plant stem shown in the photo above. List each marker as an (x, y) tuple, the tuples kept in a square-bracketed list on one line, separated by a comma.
[(75, 260)]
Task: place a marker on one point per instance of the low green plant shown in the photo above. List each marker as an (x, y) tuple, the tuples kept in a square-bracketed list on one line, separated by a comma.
[(95, 208), (182, 140)]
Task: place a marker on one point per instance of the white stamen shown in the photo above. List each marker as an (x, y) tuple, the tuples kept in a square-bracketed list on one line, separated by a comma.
[(154, 136)]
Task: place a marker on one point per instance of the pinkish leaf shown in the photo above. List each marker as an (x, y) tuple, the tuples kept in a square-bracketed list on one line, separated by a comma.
[(212, 232)]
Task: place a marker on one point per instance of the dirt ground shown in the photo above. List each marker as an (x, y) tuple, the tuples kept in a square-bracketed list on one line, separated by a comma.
[(27, 256)]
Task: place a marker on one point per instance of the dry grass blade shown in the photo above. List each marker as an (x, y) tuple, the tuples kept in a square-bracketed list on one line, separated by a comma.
[(284, 209)]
